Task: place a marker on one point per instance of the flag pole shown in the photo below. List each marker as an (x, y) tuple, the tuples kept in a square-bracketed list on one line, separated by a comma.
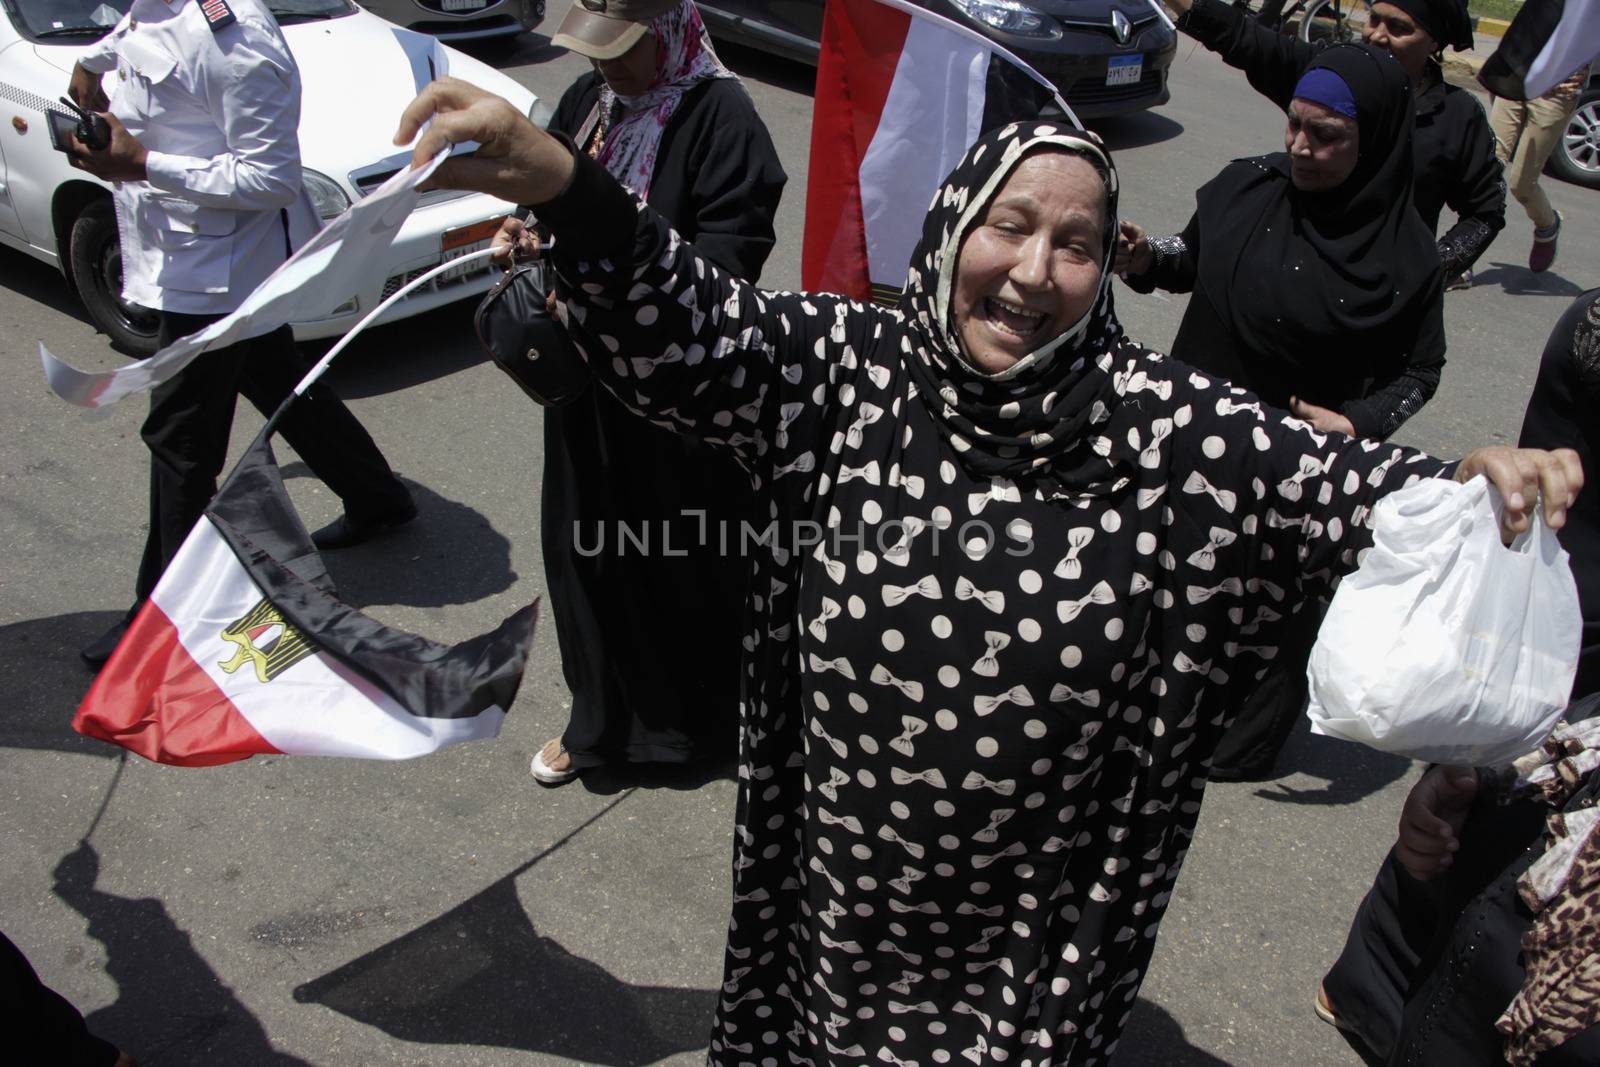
[(1161, 13), (400, 294), (105, 801)]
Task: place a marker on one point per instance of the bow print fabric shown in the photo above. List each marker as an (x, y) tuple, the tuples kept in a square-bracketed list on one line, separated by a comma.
[(1006, 669)]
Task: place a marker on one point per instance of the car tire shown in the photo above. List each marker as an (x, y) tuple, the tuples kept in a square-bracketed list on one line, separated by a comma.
[(95, 253), (1577, 155)]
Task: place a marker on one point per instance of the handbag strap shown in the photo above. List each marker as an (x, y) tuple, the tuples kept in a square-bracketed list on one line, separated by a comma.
[(587, 129)]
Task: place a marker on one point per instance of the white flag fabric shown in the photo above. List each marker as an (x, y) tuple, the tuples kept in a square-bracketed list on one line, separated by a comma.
[(1546, 42), (326, 272)]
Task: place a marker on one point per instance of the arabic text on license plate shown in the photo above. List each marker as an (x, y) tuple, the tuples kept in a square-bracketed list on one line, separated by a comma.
[(464, 5), (1124, 70), (457, 273), (456, 243)]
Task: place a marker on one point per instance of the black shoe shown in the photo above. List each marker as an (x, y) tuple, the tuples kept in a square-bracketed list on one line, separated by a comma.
[(1260, 772), (96, 652), (347, 532)]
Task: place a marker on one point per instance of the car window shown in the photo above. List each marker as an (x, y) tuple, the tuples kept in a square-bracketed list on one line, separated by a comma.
[(68, 20)]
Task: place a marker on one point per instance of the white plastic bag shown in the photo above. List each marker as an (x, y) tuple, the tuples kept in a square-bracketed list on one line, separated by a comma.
[(1445, 645)]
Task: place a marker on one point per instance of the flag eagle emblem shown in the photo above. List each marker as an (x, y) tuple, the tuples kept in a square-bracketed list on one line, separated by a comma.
[(267, 641)]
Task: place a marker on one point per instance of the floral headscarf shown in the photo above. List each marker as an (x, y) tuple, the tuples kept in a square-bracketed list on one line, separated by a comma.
[(1032, 418), (633, 124)]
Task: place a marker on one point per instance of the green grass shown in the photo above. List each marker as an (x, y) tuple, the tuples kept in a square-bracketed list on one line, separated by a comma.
[(1495, 9)]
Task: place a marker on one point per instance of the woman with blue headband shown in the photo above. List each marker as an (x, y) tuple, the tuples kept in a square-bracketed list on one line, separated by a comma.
[(1316, 286), (1454, 163)]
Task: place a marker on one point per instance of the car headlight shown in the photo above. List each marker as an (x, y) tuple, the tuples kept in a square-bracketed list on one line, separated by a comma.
[(327, 196), (541, 113), (1008, 16)]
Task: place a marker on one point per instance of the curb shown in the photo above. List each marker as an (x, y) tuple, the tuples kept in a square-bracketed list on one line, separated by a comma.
[(1490, 27)]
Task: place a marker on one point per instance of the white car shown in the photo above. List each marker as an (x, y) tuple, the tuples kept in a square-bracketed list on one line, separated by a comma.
[(357, 72)]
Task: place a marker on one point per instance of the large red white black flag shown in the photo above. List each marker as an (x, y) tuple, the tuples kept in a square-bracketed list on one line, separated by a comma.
[(902, 93), (1547, 41), (244, 649)]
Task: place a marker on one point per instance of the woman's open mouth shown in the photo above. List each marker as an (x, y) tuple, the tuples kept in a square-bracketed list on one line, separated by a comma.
[(1012, 319)]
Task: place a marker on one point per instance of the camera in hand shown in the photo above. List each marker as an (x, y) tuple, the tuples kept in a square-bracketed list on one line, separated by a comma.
[(92, 130)]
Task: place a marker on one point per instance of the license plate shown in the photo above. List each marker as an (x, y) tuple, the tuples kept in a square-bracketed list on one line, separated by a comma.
[(463, 241), (465, 5), (1124, 70)]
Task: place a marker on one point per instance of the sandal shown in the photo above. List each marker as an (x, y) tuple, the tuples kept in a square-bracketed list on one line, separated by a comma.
[(1324, 1009), (545, 774)]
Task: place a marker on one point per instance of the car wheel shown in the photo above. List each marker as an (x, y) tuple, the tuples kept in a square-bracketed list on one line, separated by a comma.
[(1577, 155), (96, 257)]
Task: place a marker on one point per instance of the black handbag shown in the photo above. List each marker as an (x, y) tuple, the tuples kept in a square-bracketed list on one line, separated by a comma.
[(515, 327)]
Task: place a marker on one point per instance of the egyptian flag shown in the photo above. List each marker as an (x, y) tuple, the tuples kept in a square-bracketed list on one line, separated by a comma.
[(902, 93), (1545, 44), (243, 649)]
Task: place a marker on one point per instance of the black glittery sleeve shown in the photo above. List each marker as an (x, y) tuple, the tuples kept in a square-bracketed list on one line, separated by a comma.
[(1174, 260)]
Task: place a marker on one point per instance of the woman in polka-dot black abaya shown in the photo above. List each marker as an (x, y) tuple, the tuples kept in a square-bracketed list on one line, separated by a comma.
[(974, 740)]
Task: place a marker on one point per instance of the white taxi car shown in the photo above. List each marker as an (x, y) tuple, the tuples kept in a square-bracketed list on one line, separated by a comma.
[(357, 73)]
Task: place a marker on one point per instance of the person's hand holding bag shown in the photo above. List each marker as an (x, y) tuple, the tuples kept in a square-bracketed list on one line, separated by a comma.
[(1445, 644), (1524, 477)]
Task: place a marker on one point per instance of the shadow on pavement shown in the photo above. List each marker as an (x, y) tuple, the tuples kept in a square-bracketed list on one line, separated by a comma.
[(480, 974), (23, 274), (398, 355), (171, 1007), (1135, 131), (1153, 1037), (449, 555), (612, 778), (44, 679), (1352, 772), (1519, 280)]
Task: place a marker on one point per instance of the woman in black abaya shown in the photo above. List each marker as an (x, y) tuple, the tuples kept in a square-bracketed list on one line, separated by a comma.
[(628, 543), (1321, 294), (1016, 560), (1455, 163), (1440, 946)]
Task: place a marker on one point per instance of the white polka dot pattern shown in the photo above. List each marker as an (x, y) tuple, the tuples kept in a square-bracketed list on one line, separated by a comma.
[(968, 779)]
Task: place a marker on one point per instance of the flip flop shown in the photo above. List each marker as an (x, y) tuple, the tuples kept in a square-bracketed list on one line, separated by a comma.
[(545, 774)]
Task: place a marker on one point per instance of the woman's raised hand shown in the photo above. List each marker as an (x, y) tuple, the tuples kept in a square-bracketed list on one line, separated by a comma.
[(1525, 476), (1133, 255), (515, 159)]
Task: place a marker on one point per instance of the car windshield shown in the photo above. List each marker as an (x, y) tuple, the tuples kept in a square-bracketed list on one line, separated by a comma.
[(88, 20)]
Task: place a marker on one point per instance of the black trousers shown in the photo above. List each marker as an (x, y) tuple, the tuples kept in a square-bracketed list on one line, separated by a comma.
[(43, 1020), (191, 416)]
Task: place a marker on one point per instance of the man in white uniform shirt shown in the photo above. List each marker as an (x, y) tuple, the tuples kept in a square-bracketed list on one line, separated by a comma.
[(206, 153)]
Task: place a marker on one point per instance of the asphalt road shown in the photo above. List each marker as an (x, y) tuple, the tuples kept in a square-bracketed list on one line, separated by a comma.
[(447, 911)]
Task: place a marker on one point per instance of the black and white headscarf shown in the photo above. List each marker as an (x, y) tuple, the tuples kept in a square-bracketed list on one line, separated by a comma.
[(1030, 421)]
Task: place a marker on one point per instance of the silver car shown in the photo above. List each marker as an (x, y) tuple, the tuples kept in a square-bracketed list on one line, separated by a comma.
[(460, 20)]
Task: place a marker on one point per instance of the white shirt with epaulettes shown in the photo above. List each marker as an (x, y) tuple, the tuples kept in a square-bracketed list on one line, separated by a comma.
[(219, 112)]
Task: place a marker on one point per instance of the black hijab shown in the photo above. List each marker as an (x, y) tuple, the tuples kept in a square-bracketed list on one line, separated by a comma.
[(1562, 414), (1446, 21), (1303, 278), (1030, 420)]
